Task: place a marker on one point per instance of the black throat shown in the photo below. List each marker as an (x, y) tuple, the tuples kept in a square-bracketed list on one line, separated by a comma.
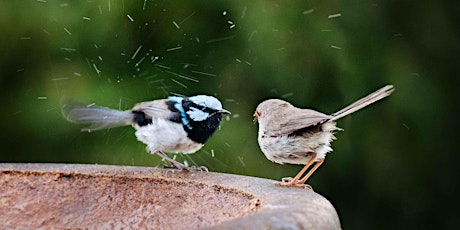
[(197, 131), (202, 130)]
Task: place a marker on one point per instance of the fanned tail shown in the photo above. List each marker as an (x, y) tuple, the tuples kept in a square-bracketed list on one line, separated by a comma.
[(363, 102), (97, 117)]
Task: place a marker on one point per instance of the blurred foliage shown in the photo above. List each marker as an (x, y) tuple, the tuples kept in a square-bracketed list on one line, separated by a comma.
[(394, 166)]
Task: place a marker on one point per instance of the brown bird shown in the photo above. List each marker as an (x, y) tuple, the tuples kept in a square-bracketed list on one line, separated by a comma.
[(292, 135)]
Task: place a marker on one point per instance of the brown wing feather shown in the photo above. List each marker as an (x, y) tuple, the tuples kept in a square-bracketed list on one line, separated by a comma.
[(294, 119)]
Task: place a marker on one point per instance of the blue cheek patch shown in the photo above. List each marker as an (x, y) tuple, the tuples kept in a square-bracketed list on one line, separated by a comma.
[(178, 105), (197, 115)]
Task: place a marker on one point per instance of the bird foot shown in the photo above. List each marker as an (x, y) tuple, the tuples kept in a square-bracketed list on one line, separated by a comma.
[(185, 168), (198, 169), (289, 182), (168, 166), (287, 179), (175, 165)]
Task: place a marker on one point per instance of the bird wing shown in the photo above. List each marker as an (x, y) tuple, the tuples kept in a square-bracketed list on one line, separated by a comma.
[(291, 121), (154, 109)]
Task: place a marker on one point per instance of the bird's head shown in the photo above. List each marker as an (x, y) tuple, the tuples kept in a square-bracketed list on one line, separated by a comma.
[(201, 115), (269, 108)]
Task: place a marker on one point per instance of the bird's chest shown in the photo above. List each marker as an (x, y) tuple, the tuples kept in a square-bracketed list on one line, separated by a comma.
[(285, 144), (167, 136), (297, 149)]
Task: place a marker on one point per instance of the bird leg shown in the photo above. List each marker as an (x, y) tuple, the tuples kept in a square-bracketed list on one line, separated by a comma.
[(288, 181), (173, 162), (303, 180)]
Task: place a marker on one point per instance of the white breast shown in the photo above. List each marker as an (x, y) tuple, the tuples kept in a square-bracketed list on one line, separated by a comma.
[(298, 149), (167, 136)]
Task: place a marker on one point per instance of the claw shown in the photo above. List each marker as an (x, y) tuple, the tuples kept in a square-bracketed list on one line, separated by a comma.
[(286, 179), (177, 165), (294, 184), (296, 181), (198, 169)]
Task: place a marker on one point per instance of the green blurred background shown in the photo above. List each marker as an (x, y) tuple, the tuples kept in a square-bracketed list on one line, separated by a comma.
[(394, 166)]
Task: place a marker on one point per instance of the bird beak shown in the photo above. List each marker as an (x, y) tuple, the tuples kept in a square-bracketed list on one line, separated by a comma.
[(223, 111), (256, 116)]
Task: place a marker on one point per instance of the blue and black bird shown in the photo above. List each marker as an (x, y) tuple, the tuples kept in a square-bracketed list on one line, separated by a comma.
[(175, 125)]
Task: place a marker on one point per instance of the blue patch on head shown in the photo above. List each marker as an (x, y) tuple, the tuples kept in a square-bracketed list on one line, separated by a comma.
[(207, 101), (178, 105)]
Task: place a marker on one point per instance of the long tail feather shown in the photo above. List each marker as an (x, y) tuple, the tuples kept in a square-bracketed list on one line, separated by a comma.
[(97, 117), (369, 99)]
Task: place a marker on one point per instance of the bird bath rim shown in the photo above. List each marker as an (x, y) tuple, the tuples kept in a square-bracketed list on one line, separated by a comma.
[(235, 201)]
